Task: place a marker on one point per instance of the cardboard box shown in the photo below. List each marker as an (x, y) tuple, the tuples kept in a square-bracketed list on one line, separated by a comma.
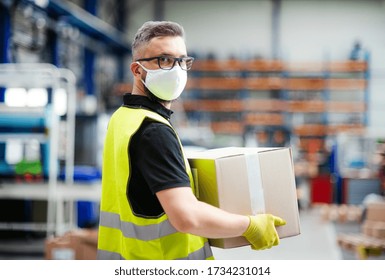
[(248, 181), (375, 211), (374, 229), (74, 245)]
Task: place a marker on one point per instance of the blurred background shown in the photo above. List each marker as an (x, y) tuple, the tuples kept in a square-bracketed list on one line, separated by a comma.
[(305, 74)]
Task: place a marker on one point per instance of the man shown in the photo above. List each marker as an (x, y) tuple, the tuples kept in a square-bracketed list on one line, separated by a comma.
[(148, 209)]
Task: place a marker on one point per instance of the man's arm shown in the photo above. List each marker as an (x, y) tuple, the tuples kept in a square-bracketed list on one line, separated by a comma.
[(187, 214)]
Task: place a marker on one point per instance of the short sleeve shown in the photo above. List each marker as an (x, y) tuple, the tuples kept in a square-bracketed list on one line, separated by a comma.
[(159, 158)]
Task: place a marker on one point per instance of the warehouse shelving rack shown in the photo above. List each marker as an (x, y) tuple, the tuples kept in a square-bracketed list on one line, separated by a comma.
[(53, 191), (267, 96)]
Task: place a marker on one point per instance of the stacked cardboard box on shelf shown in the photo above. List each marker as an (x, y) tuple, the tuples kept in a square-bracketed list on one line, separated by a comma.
[(78, 244), (248, 181)]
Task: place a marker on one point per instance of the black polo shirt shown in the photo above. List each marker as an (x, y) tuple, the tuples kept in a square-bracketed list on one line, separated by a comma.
[(156, 159)]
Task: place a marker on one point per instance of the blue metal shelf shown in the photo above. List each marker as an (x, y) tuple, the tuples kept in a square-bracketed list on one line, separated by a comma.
[(87, 23)]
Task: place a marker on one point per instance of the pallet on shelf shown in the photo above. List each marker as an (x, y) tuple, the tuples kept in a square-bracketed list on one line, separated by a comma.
[(346, 84), (227, 127), (263, 119), (214, 105)]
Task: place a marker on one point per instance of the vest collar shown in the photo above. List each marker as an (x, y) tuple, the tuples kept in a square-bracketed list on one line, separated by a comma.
[(139, 101)]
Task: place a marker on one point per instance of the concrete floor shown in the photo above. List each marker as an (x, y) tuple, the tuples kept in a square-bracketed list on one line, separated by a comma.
[(317, 241)]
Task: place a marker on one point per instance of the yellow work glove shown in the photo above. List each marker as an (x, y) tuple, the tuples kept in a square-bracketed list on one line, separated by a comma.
[(261, 232)]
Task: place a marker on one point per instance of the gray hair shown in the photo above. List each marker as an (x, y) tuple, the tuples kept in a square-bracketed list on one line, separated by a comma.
[(152, 29)]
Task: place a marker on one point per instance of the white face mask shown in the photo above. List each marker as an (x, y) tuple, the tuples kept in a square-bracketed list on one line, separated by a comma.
[(166, 84)]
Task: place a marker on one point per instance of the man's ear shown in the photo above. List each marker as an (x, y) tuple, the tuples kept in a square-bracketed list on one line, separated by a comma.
[(136, 69)]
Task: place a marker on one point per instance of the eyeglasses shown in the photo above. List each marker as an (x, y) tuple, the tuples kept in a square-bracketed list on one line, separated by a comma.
[(168, 62)]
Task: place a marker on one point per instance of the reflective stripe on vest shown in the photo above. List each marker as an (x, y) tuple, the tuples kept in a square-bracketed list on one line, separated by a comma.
[(145, 233), (123, 235), (200, 254)]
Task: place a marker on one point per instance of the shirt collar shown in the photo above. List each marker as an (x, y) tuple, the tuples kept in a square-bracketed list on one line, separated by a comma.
[(140, 101)]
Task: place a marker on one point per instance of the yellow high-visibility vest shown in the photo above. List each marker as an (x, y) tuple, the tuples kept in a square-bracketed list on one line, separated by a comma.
[(123, 235)]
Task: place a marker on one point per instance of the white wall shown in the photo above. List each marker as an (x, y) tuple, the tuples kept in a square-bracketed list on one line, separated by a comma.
[(221, 26), (310, 30), (238, 28)]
